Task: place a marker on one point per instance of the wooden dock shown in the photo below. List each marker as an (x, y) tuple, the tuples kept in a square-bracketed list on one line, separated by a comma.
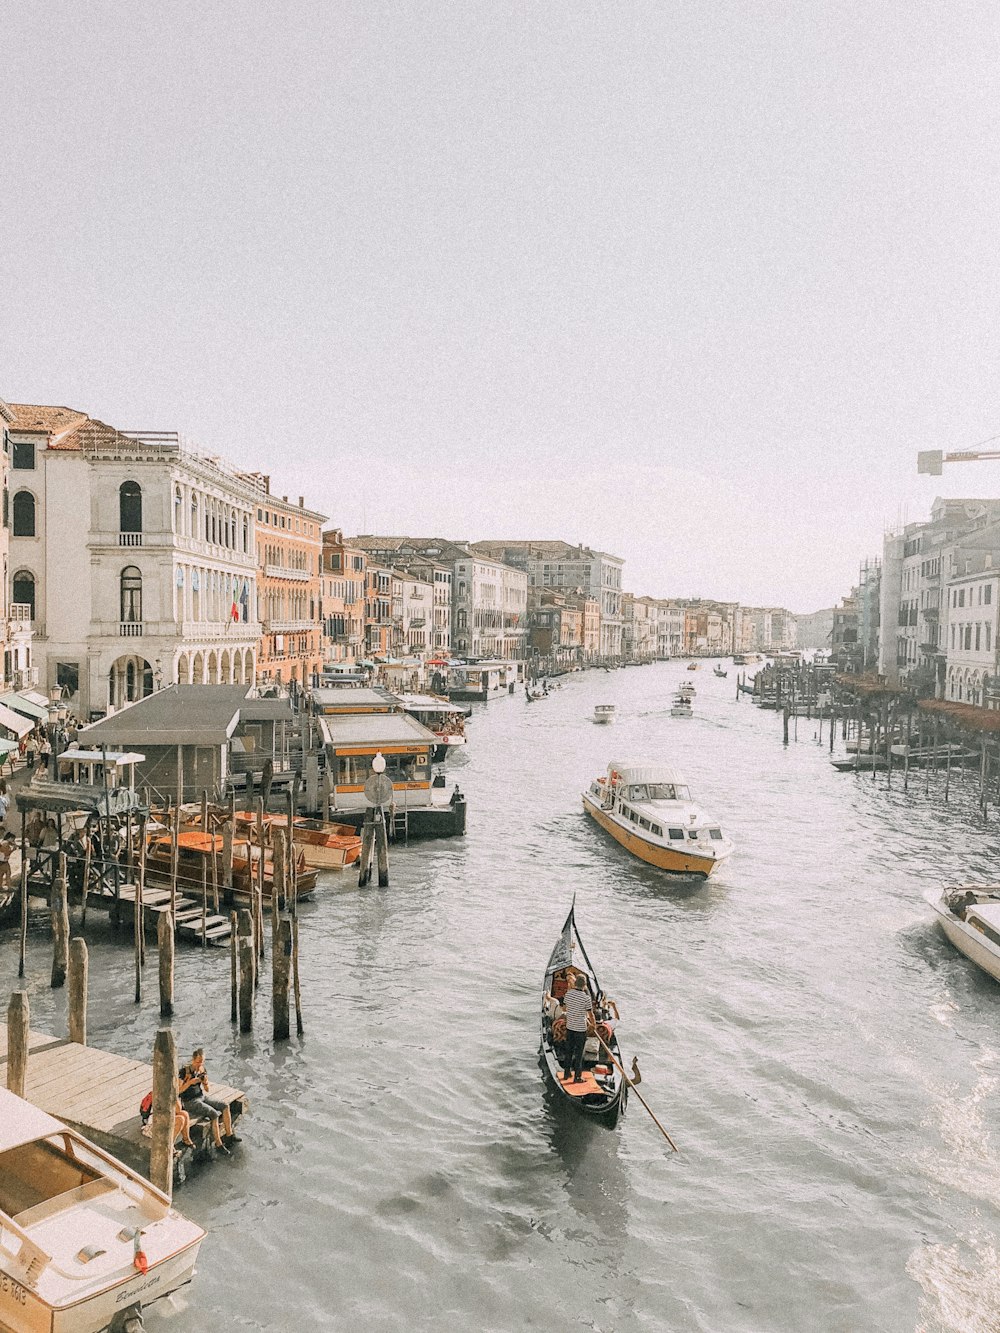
[(98, 1093)]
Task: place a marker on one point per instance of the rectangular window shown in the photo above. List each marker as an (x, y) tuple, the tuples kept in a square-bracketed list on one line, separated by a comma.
[(676, 834), (988, 594), (68, 677), (977, 638), (961, 596), (968, 638), (23, 458), (988, 636)]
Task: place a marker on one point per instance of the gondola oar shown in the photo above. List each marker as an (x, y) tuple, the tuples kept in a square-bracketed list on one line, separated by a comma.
[(637, 1092)]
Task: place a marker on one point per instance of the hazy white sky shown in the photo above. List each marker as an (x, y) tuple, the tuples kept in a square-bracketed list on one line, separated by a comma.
[(690, 282)]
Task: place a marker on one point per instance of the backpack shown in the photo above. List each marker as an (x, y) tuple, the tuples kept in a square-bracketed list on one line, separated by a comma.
[(146, 1108)]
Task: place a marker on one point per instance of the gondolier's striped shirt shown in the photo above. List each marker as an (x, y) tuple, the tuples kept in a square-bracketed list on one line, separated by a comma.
[(578, 1006)]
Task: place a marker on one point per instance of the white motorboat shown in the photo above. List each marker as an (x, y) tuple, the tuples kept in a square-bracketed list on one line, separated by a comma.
[(681, 708), (86, 1244), (971, 920), (647, 807), (604, 712)]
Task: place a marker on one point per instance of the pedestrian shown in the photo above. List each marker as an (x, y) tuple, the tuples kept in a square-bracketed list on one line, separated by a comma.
[(29, 751), (578, 1010), (4, 801)]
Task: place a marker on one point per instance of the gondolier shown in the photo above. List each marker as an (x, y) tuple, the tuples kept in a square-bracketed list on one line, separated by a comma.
[(579, 1008)]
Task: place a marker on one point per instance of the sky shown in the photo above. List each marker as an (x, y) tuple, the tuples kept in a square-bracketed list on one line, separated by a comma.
[(691, 283)]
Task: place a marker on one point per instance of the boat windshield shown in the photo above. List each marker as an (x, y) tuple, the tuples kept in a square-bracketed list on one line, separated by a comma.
[(659, 791), (35, 1172)]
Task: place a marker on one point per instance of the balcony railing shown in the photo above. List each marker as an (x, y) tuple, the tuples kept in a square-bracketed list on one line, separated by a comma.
[(130, 539), (130, 629), (24, 678), (19, 611), (281, 572), (289, 626)]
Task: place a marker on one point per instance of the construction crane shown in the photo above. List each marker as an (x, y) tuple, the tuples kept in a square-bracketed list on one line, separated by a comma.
[(932, 461)]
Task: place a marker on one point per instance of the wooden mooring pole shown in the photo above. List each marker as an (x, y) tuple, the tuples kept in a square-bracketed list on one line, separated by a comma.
[(78, 972), (234, 968), (18, 1029), (165, 947), (23, 941), (60, 926), (248, 969), (367, 848), (161, 1150), (281, 962), (382, 848)]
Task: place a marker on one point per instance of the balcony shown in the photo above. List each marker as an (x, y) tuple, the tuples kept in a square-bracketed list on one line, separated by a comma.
[(130, 539), (130, 629), (280, 572), (289, 626), (19, 611), (24, 679)]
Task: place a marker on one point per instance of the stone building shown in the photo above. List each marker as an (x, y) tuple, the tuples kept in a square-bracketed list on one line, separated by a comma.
[(557, 564), (342, 599), (489, 598), (132, 552), (289, 572), (17, 668)]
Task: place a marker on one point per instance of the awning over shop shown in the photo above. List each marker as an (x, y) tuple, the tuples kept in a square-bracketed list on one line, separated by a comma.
[(22, 705), (15, 722), (6, 747)]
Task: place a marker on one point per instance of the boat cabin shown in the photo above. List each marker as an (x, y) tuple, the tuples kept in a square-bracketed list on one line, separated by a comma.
[(985, 917), (643, 796), (332, 702)]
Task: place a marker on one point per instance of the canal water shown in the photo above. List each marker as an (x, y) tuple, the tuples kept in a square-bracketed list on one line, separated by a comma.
[(828, 1066)]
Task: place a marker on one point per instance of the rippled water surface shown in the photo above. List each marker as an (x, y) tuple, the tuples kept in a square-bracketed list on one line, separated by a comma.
[(827, 1064)]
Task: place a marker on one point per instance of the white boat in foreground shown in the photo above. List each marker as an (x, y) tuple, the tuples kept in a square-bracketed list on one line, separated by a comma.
[(681, 708), (86, 1244), (648, 809), (971, 920), (604, 712)]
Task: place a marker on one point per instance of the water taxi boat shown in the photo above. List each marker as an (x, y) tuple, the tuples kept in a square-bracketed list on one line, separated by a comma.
[(681, 707), (694, 666), (195, 852), (971, 920), (86, 1244), (647, 807), (686, 690), (319, 844), (445, 719), (602, 1092), (604, 712)]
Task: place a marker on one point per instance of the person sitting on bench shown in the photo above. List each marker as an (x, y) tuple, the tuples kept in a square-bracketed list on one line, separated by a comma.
[(192, 1085)]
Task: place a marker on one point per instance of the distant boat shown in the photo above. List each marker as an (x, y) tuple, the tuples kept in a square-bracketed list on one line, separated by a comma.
[(604, 712), (87, 1243), (720, 673), (681, 708), (971, 920), (694, 666)]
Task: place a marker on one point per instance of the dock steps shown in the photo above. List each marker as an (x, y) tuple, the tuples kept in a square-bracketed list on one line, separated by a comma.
[(187, 916)]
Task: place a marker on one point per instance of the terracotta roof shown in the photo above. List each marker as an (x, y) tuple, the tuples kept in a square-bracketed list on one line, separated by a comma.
[(968, 716), (54, 421), (91, 431)]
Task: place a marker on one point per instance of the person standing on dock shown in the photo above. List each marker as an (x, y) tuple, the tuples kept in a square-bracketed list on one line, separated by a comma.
[(192, 1086), (578, 1010)]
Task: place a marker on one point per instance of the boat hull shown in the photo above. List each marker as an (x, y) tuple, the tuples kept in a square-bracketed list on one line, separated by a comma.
[(23, 1311), (966, 941), (663, 858)]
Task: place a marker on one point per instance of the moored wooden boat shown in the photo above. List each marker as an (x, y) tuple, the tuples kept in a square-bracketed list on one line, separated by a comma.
[(86, 1243), (194, 866), (321, 845), (602, 1094)]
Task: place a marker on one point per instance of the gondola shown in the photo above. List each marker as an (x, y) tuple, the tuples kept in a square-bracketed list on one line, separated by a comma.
[(603, 1093)]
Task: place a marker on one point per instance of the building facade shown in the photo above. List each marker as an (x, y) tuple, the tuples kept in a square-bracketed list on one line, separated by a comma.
[(557, 564), (289, 545), (17, 668), (136, 557), (342, 599)]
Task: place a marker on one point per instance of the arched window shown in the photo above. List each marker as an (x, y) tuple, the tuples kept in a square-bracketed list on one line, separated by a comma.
[(24, 514), (23, 589), (246, 535), (131, 595), (129, 507), (194, 514)]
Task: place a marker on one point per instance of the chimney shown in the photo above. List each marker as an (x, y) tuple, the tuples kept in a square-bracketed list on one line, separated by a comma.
[(302, 502)]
